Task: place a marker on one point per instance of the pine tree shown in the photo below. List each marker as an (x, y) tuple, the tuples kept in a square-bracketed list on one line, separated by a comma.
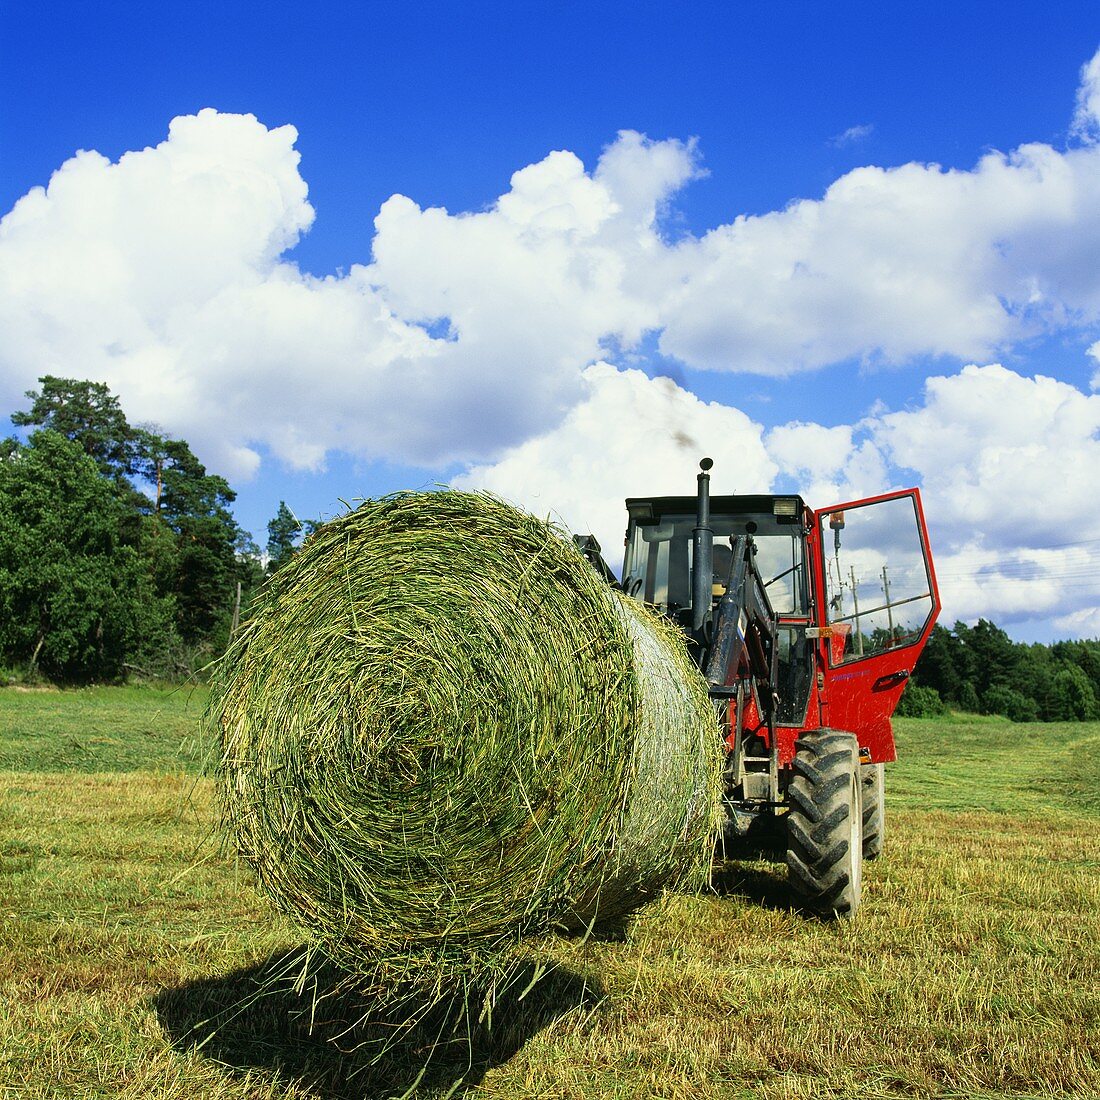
[(283, 533)]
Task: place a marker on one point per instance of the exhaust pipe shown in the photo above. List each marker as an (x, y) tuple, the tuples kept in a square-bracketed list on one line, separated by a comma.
[(702, 553)]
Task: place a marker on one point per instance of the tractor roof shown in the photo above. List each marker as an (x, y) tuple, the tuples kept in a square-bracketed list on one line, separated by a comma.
[(736, 504)]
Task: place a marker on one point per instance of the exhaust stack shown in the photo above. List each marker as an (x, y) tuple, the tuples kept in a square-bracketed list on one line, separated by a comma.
[(702, 552)]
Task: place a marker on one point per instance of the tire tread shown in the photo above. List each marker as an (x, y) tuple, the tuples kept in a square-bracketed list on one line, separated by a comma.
[(819, 865)]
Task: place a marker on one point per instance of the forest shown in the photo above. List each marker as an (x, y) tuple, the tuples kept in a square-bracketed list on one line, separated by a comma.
[(119, 554), (980, 670), (120, 559)]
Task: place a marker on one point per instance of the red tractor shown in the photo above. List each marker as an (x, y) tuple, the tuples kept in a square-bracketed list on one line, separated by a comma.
[(806, 625)]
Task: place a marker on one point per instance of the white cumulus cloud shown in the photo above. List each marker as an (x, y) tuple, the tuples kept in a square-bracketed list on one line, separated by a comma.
[(828, 465), (1008, 466), (168, 275), (1086, 119), (631, 436), (1010, 458), (896, 263), (471, 337), (1094, 353), (165, 275)]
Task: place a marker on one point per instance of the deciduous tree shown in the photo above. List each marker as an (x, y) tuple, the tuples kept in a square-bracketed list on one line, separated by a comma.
[(75, 600)]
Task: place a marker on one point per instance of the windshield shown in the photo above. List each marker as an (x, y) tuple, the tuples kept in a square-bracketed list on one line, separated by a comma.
[(878, 588), (658, 562)]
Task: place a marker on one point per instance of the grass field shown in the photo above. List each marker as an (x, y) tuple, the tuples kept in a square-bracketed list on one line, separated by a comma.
[(131, 947)]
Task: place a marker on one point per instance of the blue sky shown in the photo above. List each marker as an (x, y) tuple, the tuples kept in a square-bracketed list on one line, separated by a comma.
[(745, 108)]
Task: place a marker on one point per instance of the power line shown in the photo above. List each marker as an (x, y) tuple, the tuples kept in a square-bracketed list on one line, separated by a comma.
[(1019, 574), (1056, 545)]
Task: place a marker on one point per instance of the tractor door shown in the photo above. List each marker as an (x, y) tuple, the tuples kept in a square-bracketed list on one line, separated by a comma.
[(879, 602)]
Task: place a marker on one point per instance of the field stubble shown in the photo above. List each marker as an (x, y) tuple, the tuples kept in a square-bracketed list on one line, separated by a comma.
[(973, 969)]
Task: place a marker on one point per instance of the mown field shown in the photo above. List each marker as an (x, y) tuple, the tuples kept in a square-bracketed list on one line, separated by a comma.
[(131, 947)]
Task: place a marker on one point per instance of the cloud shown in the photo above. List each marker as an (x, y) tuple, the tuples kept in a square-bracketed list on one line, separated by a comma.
[(1007, 464), (1086, 119), (1083, 623), (896, 263), (852, 135), (165, 275), (828, 465), (631, 436), (1010, 459)]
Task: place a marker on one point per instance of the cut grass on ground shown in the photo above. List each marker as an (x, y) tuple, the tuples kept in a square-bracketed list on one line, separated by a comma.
[(101, 729), (972, 970)]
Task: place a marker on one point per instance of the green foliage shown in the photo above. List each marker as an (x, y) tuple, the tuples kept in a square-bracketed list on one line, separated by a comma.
[(1085, 655), (920, 702), (968, 700), (1073, 696), (1012, 704), (90, 415), (74, 598), (283, 533), (980, 669), (195, 505), (104, 577), (250, 570)]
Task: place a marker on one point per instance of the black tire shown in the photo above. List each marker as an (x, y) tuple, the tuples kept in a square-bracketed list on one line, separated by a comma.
[(874, 809), (825, 824)]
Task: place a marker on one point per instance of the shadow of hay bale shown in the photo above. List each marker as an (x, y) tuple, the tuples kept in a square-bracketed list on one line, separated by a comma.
[(338, 1045)]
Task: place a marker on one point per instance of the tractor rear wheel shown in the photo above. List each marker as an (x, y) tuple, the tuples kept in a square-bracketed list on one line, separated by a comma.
[(874, 809), (825, 824)]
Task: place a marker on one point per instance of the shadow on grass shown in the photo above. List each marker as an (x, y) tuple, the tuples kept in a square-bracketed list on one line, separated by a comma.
[(338, 1045), (739, 867), (761, 885)]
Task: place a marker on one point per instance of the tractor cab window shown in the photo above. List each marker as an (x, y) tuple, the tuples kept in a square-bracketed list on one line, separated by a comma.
[(878, 588), (658, 562)]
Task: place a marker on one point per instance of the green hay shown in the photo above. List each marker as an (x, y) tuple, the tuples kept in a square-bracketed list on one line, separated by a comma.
[(442, 733)]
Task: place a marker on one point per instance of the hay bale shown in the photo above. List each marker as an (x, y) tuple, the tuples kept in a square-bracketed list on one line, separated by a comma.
[(442, 732)]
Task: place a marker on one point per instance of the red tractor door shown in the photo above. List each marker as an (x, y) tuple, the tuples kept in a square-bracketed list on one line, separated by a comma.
[(878, 603)]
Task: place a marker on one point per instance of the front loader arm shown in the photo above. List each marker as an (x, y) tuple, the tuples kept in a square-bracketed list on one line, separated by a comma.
[(743, 657), (745, 628)]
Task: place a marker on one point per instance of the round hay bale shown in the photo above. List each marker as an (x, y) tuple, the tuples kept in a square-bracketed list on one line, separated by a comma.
[(442, 731)]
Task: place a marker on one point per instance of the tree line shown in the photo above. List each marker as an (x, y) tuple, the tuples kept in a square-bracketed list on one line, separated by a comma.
[(119, 554), (981, 670), (118, 550)]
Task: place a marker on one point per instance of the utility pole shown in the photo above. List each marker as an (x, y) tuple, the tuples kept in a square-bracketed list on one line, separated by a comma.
[(889, 610), (855, 608)]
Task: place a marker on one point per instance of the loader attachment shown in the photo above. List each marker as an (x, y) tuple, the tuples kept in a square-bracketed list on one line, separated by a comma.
[(741, 663), (744, 630)]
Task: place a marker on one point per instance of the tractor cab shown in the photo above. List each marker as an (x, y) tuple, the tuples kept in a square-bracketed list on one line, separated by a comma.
[(806, 626), (659, 561)]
